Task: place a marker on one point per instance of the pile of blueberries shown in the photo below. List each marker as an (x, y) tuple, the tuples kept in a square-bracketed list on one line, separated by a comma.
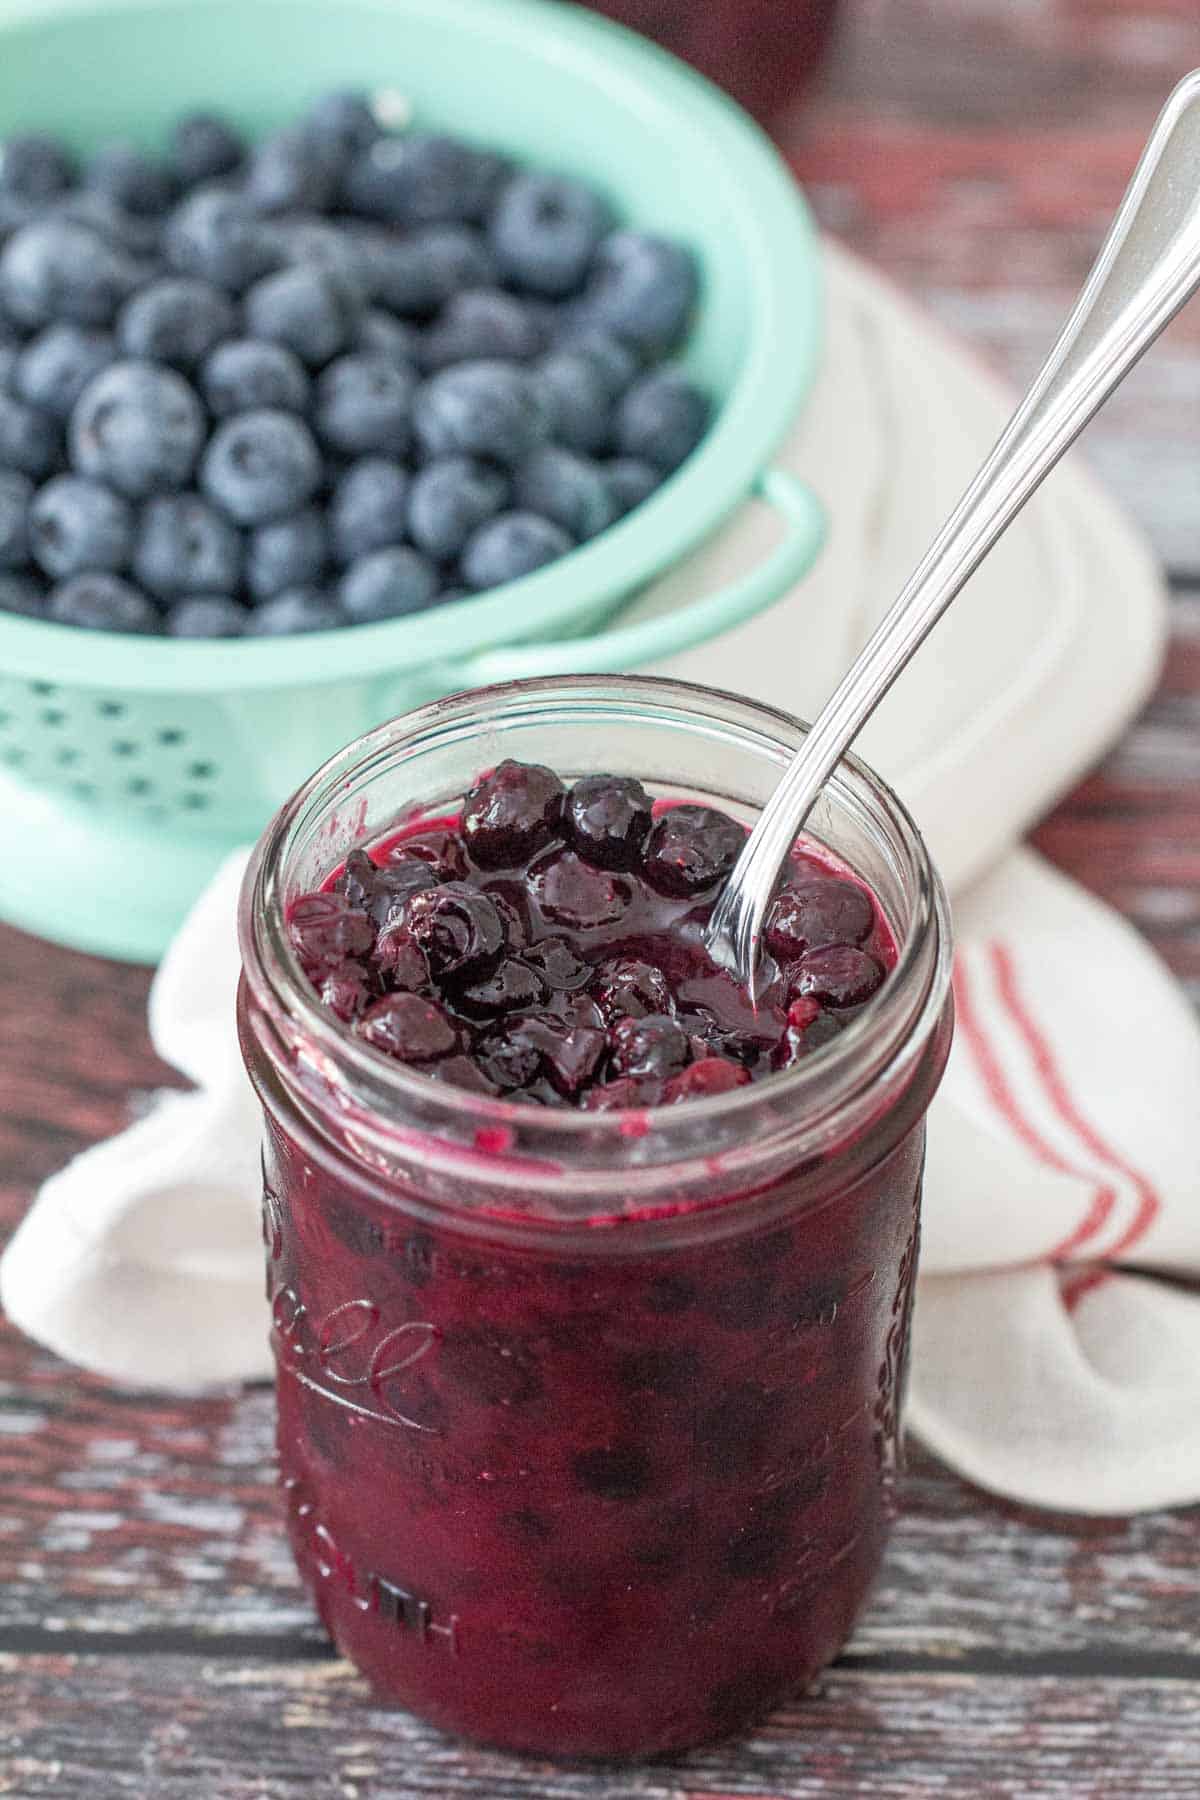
[(338, 376)]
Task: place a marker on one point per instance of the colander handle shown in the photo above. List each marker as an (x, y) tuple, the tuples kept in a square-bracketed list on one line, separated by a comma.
[(652, 640)]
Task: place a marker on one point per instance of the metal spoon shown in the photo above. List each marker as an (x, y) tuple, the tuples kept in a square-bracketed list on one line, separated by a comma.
[(1149, 265)]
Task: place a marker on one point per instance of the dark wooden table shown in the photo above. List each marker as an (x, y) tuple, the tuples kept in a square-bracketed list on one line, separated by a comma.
[(153, 1639)]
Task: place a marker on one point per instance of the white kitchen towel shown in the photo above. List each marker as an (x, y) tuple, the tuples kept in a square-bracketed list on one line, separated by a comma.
[(1052, 1360)]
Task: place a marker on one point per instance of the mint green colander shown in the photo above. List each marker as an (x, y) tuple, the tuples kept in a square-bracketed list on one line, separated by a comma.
[(137, 764)]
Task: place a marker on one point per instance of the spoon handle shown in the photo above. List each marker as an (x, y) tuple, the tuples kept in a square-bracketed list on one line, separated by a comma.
[(1148, 267)]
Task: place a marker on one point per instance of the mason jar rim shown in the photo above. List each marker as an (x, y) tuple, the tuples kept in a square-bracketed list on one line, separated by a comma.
[(884, 1040)]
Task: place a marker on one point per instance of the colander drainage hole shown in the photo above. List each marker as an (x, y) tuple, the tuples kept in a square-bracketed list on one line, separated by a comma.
[(202, 771), (52, 715), (13, 757), (194, 802), (139, 785), (110, 709), (44, 688), (172, 735), (66, 757), (123, 747), (83, 790)]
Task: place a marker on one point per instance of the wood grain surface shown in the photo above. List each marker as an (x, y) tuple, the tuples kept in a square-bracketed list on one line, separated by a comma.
[(153, 1637)]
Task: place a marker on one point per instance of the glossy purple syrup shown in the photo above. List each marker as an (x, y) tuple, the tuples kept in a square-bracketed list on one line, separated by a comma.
[(609, 1501)]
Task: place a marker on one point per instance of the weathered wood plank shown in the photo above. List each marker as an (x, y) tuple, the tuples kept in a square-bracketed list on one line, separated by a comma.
[(184, 1729)]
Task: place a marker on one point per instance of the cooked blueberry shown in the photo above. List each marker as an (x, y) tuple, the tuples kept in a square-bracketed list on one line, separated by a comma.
[(326, 931), (463, 1072), (580, 400), (342, 991), (135, 182), (756, 1549), (706, 1077), (735, 1430), (664, 1369), (417, 273), (568, 489), (341, 123), (56, 269), (35, 166), (260, 466), (642, 288), (20, 595), (661, 419), (569, 1054), (176, 320), (387, 584), (380, 334), (421, 178), (367, 508), (216, 235), (306, 309), (494, 1366), (289, 170), (306, 239), (607, 819), (55, 366), (364, 405), (507, 1058), (16, 492), (207, 616), (691, 848), (481, 323), (511, 813), (512, 545), (572, 893), (614, 1471), (103, 603), (77, 525), (440, 849), (458, 928), (809, 1027), (409, 1028), (245, 374), (289, 553), (449, 499), (557, 964), (184, 546), (137, 427), (390, 887), (203, 147), (373, 887), (838, 975), (653, 1048), (630, 482), (670, 1294), (299, 609), (805, 915), (30, 439), (490, 409), (629, 989), (544, 231), (511, 987)]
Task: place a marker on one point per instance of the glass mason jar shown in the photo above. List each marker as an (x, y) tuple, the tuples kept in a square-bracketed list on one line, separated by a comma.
[(589, 1422)]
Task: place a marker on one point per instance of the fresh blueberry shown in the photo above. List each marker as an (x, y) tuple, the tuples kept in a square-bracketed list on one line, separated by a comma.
[(661, 419), (607, 820), (445, 595), (417, 273), (422, 178), (203, 147), (387, 584), (806, 915), (409, 1028), (16, 492), (30, 439), (207, 616), (289, 553), (479, 323), (299, 609), (630, 482), (367, 508), (309, 310), (20, 595), (35, 167), (380, 334), (838, 975), (544, 231), (289, 171), (643, 289), (449, 499), (614, 362), (458, 928), (342, 124), (55, 366), (139, 234), (364, 406), (10, 354), (103, 602), (260, 466), (318, 243), (135, 182), (57, 269), (15, 214), (77, 527), (137, 427), (512, 545), (691, 848), (177, 319), (490, 409), (184, 546), (244, 374), (580, 398), (569, 489), (511, 813), (216, 235)]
